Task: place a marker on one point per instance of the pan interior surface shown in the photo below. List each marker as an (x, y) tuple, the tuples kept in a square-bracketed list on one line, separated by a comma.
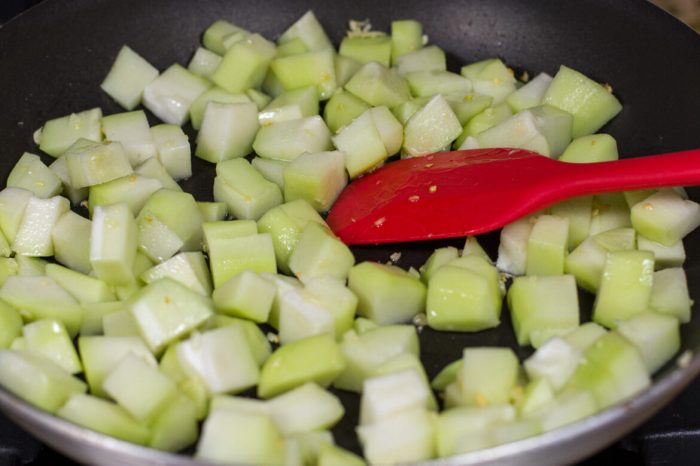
[(56, 54)]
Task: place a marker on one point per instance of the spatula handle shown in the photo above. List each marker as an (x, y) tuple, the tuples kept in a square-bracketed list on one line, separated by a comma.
[(656, 171)]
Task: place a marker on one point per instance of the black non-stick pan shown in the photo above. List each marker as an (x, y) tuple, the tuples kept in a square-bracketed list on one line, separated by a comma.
[(53, 57)]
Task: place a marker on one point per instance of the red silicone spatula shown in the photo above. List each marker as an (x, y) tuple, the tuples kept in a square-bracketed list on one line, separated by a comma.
[(467, 192)]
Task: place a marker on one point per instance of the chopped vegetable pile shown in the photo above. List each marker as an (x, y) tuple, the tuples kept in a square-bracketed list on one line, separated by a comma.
[(218, 327)]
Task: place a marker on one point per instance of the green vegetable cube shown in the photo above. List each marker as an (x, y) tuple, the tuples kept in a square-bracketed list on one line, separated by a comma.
[(179, 212), (345, 68), (430, 58), (145, 400), (429, 83), (176, 427), (229, 257), (105, 417), (84, 288), (31, 174), (304, 409), (227, 229), (386, 294), (367, 49), (317, 358), (625, 287), (512, 248), (187, 268), (656, 337), (171, 94), (578, 211), (329, 455), (10, 324), (404, 438), (309, 31), (378, 85), (318, 253), (483, 121), (13, 202), (134, 190), (591, 148), (530, 94), (244, 64), (204, 62), (33, 237), (156, 240), (387, 395), (314, 68), (128, 77), (37, 380), (257, 340), (406, 36), (543, 305), (289, 139), (487, 375), (567, 408), (212, 211), (591, 104), (342, 109), (214, 94), (94, 163), (555, 361), (113, 241), (437, 259), (665, 217), (48, 338), (491, 77), (152, 168), (59, 134), (221, 358), (664, 256), (464, 429), (166, 310), (547, 246), (290, 105), (214, 37), (431, 128), (227, 131), (246, 295), (317, 178), (669, 294), (132, 131)]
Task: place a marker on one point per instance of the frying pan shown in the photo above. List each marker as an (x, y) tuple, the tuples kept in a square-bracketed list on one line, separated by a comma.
[(54, 56)]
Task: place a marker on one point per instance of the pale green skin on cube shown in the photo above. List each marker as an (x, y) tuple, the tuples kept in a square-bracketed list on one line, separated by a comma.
[(191, 386), (39, 297), (378, 85), (10, 324), (309, 31), (94, 314), (584, 336), (341, 109), (166, 310), (49, 338), (345, 68), (212, 211), (128, 77), (37, 380), (665, 217), (291, 47), (406, 37), (155, 239), (669, 294), (289, 139), (664, 256), (59, 134), (428, 83), (31, 174), (204, 62), (247, 194), (625, 287), (244, 64), (314, 68), (610, 211), (105, 417), (386, 294), (227, 131), (297, 103), (171, 94), (227, 229), (591, 148), (482, 121), (28, 266), (491, 77), (537, 393), (317, 178), (437, 259), (363, 143), (285, 224), (330, 455), (567, 408), (367, 49), (547, 246), (543, 303), (317, 358), (578, 211), (246, 295), (214, 94), (8, 267), (590, 103), (487, 375), (319, 253), (231, 256), (656, 337), (176, 427), (431, 128), (467, 105), (431, 58), (134, 190)]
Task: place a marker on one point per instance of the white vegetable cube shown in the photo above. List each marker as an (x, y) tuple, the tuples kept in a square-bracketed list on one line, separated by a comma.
[(155, 239), (584, 336), (143, 400), (113, 240), (59, 134), (245, 438), (60, 168), (227, 131), (286, 140), (665, 217), (625, 287), (33, 237), (512, 247), (554, 361), (244, 64), (102, 354), (152, 168), (179, 212), (214, 94), (95, 163), (173, 147), (487, 375), (204, 62), (664, 256), (386, 294), (463, 429), (320, 253), (431, 128), (529, 95), (188, 268), (391, 394), (656, 336), (48, 338), (567, 408), (543, 306), (317, 178), (300, 316), (547, 246), (171, 94), (669, 294), (290, 105), (389, 128), (221, 32), (304, 409), (104, 416), (362, 144), (406, 437), (13, 202), (128, 77), (336, 298), (176, 427), (221, 358), (37, 380), (246, 295), (132, 131), (244, 190), (31, 174)]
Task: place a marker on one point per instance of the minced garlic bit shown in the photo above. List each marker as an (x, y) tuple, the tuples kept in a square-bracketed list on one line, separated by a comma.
[(648, 206), (480, 399), (424, 39), (420, 321), (684, 359), (432, 189), (395, 257), (379, 222), (414, 198), (272, 337), (84, 203), (525, 76), (608, 87), (362, 28)]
